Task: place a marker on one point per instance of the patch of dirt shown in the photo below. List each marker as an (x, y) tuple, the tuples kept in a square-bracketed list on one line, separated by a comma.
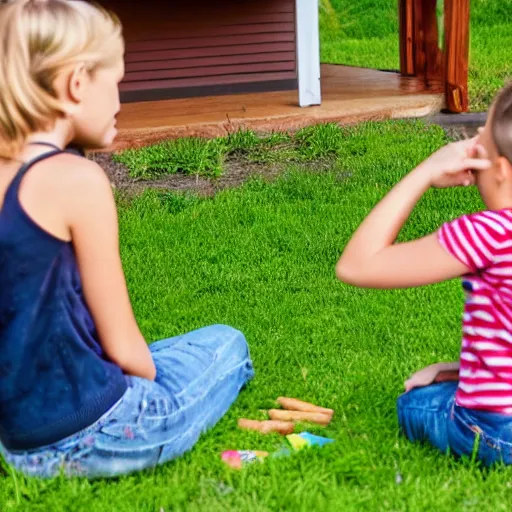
[(237, 169)]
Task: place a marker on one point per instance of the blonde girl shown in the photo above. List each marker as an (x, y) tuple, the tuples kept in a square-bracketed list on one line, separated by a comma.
[(80, 390)]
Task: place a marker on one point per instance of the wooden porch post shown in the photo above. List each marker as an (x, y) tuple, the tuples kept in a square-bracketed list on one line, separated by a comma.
[(432, 53), (456, 19), (406, 23), (420, 55), (308, 52), (419, 49)]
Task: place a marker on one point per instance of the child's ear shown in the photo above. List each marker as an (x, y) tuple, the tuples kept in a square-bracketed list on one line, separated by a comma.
[(70, 86), (503, 170), (77, 83)]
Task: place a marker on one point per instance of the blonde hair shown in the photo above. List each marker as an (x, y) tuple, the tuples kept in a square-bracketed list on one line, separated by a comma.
[(38, 39), (501, 122)]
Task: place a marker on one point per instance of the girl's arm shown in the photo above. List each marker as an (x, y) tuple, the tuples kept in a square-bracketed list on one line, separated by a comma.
[(437, 372), (372, 259), (447, 372), (92, 220)]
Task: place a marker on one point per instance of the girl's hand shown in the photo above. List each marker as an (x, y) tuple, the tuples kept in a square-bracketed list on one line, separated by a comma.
[(424, 377), (453, 164)]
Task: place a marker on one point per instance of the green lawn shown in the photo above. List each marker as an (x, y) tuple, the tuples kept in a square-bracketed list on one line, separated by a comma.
[(261, 258), (365, 33)]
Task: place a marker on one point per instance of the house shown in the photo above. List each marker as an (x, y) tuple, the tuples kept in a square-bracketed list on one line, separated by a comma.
[(180, 49), (177, 50)]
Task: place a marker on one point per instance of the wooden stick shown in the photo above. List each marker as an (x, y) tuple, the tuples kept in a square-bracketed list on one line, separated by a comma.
[(293, 404), (295, 416), (267, 426)]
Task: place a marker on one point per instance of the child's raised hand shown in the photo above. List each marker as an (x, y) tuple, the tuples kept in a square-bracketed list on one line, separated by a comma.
[(453, 164)]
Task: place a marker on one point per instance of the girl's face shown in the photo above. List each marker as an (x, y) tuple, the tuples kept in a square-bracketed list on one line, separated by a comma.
[(94, 116)]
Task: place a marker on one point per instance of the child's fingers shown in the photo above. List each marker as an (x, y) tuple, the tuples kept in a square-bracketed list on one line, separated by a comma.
[(469, 144), (477, 151), (477, 164), (469, 179), (408, 385), (480, 152)]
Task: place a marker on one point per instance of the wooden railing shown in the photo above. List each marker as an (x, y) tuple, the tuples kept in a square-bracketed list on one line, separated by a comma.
[(420, 51)]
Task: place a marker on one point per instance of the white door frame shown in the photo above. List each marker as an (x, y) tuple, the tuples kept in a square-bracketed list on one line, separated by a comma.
[(308, 52)]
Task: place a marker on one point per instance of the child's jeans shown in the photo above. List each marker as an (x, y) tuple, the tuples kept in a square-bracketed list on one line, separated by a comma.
[(431, 414), (199, 376)]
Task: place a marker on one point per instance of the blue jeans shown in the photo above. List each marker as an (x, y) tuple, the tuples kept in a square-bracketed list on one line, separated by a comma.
[(430, 414), (199, 376)]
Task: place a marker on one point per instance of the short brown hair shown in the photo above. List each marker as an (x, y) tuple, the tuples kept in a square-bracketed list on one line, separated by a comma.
[(501, 122)]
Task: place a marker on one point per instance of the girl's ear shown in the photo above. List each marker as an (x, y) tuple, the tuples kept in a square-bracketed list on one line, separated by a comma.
[(71, 86), (503, 170), (77, 83)]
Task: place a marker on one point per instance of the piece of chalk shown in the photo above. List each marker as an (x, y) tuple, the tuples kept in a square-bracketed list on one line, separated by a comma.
[(267, 426), (306, 416), (293, 404), (300, 441), (313, 440), (297, 441), (238, 458)]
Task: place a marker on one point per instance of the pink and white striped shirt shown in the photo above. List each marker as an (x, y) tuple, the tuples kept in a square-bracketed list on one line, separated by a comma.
[(483, 242)]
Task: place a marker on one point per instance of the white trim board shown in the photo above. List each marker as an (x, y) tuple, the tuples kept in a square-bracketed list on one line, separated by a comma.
[(308, 52)]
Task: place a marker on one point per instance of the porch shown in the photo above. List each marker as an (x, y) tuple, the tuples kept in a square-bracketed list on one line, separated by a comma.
[(349, 95)]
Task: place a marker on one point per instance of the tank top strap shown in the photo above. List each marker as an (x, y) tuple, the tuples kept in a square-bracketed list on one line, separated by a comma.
[(76, 150), (15, 183), (43, 143)]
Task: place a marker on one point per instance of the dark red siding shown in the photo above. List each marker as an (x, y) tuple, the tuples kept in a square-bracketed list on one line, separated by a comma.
[(177, 49)]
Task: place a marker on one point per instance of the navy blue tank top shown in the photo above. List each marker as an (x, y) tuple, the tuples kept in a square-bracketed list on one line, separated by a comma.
[(55, 379)]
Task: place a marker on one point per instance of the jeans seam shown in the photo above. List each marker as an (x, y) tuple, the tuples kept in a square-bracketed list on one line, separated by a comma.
[(181, 434), (215, 357), (481, 432), (423, 409), (194, 402)]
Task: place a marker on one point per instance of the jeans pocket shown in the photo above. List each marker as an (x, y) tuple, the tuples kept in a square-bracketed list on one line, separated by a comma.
[(136, 425), (476, 440)]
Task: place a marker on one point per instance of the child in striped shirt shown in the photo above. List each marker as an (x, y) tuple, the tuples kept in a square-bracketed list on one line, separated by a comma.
[(454, 405)]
